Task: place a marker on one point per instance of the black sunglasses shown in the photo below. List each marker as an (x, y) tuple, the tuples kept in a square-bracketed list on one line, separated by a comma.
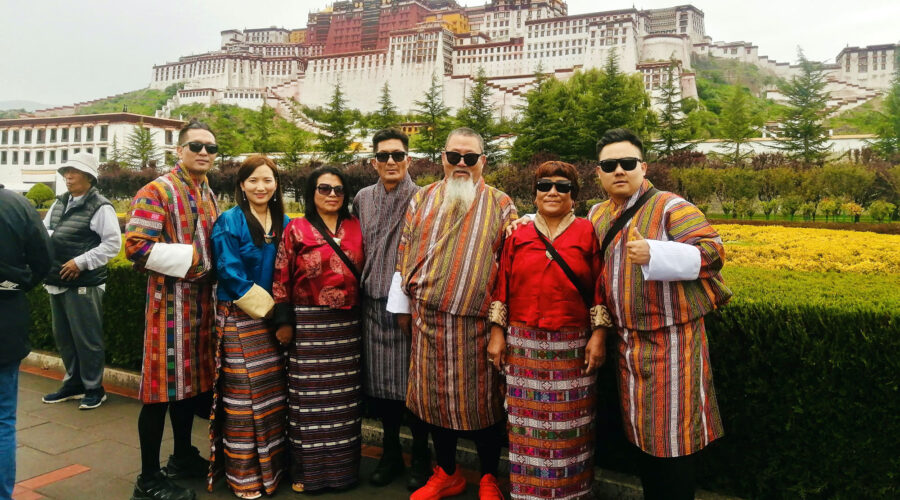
[(470, 158), (196, 147), (327, 189), (398, 156), (545, 185), (628, 164)]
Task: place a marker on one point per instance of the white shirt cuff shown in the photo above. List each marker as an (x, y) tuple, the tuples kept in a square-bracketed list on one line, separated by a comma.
[(672, 261), (398, 301), (171, 259)]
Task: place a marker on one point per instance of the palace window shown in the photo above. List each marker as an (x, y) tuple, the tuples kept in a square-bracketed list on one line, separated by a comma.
[(28, 136), (26, 158), (52, 157), (38, 157), (52, 135), (2, 157), (89, 133), (104, 130), (15, 158), (64, 135), (64, 155), (41, 136), (3, 136), (102, 154), (168, 137), (77, 135)]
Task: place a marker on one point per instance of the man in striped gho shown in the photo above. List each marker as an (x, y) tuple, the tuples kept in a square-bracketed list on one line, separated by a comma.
[(446, 266), (380, 209), (661, 275)]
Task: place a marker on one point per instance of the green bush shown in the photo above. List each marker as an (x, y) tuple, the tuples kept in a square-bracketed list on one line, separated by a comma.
[(40, 195), (804, 364)]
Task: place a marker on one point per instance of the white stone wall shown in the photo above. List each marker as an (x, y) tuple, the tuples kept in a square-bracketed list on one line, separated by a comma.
[(875, 72)]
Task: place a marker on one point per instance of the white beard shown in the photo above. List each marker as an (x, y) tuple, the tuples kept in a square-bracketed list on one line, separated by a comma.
[(460, 194)]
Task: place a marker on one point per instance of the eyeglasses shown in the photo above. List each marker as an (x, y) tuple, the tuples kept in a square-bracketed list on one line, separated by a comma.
[(196, 147), (470, 158), (545, 185), (628, 164), (398, 156), (327, 189)]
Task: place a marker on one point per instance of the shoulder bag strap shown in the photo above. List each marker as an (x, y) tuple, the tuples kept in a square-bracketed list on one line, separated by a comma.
[(586, 295), (623, 219), (340, 253)]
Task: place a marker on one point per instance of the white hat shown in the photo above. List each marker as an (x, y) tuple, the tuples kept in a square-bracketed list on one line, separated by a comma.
[(83, 162)]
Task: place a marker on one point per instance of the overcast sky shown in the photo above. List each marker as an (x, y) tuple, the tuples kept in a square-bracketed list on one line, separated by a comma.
[(64, 51)]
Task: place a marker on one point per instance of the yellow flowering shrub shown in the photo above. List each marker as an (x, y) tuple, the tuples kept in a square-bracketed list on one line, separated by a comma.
[(802, 249)]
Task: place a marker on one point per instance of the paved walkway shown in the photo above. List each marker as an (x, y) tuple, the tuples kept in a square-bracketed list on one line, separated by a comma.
[(67, 453)]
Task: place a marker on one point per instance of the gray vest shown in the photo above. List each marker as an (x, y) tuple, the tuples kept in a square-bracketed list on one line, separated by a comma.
[(72, 236)]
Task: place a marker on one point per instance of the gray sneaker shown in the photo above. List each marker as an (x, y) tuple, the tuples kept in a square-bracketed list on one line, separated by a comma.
[(64, 394), (92, 399)]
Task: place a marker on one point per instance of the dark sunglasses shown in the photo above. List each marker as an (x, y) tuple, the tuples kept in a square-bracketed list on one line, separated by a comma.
[(196, 147), (327, 189), (470, 158), (398, 156), (545, 185), (628, 164)]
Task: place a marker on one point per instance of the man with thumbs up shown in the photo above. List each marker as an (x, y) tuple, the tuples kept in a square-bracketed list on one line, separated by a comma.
[(660, 276)]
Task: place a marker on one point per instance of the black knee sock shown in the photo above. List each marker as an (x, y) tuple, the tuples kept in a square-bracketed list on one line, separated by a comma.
[(181, 413), (667, 478), (444, 447), (419, 431), (151, 423), (391, 415), (487, 442)]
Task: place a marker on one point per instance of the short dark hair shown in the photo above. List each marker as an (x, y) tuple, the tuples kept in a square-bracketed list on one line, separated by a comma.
[(387, 134), (309, 196), (465, 132), (194, 124), (560, 168), (620, 135)]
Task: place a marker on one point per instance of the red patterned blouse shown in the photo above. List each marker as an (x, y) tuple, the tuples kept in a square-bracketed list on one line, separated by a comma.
[(309, 272)]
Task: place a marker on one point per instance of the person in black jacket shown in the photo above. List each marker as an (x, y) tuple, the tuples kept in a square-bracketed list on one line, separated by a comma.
[(24, 261)]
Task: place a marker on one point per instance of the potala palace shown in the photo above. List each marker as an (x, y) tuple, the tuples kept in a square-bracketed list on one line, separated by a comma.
[(364, 43)]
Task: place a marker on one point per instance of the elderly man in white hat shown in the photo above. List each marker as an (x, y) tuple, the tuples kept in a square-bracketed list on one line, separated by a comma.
[(85, 234)]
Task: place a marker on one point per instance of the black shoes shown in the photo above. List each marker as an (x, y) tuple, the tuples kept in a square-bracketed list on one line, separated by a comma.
[(189, 466), (93, 398), (159, 487), (389, 468), (420, 470), (63, 394)]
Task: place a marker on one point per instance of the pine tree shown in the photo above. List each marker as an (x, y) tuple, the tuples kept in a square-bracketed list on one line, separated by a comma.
[(888, 142), (386, 116), (435, 118), (540, 127), (115, 154), (337, 123), (804, 136), (736, 124), (478, 114), (142, 151), (262, 128), (673, 130)]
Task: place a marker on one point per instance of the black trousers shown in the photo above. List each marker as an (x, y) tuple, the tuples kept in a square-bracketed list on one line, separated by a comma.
[(669, 478), (487, 442), (392, 415), (151, 423)]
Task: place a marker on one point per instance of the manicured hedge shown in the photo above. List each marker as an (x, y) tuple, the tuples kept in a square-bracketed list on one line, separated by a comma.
[(805, 367)]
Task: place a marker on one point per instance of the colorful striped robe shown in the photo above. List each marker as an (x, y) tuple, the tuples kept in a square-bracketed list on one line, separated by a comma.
[(665, 380), (449, 262), (178, 351)]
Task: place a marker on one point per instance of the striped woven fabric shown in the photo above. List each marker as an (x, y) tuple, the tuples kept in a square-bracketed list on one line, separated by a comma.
[(665, 385), (178, 351), (650, 305), (386, 355), (551, 414), (451, 383), (247, 429), (324, 397), (448, 260)]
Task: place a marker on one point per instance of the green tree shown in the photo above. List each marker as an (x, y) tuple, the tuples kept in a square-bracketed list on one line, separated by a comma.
[(386, 116), (478, 113), (337, 124), (541, 127), (674, 134), (804, 136), (141, 151), (435, 116), (115, 153), (736, 124), (40, 194), (888, 142), (262, 128)]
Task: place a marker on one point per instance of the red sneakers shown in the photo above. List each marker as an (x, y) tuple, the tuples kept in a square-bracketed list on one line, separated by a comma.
[(488, 489), (441, 485)]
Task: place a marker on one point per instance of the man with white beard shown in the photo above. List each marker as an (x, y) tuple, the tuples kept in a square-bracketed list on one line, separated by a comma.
[(446, 266)]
